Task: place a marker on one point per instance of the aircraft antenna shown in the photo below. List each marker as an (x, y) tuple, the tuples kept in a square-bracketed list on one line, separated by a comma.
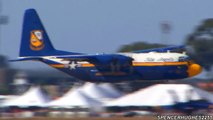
[(165, 28)]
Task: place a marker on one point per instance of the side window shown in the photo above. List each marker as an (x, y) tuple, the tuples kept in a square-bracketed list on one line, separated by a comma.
[(183, 58)]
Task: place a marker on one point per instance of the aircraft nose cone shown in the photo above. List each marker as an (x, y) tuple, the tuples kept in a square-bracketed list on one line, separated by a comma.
[(194, 69)]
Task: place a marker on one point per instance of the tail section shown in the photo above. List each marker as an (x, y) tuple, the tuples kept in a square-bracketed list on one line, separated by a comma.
[(35, 41)]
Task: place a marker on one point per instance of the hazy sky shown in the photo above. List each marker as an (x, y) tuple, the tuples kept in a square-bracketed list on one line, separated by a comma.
[(102, 25)]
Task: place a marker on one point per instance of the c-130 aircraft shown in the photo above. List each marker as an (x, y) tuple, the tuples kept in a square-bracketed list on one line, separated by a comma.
[(143, 65)]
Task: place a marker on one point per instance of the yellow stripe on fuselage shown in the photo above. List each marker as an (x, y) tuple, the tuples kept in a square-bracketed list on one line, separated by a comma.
[(87, 65), (158, 63), (57, 65), (136, 64)]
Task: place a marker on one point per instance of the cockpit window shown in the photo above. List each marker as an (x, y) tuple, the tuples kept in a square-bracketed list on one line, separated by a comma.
[(184, 58)]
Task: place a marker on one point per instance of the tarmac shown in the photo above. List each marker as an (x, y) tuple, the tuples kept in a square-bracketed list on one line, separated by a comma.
[(88, 118)]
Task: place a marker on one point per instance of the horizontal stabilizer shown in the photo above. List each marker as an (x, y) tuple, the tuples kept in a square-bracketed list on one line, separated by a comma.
[(26, 59)]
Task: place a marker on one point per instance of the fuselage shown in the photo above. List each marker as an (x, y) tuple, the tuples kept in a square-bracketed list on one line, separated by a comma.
[(138, 65), (150, 66)]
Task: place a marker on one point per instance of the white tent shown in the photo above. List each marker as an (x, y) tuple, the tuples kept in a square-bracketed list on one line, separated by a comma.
[(75, 98), (3, 98), (33, 97), (162, 94), (102, 92)]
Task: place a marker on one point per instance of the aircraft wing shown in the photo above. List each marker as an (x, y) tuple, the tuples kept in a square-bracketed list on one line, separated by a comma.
[(99, 59), (165, 49)]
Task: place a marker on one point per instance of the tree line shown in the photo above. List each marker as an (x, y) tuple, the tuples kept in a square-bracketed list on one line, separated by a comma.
[(199, 44)]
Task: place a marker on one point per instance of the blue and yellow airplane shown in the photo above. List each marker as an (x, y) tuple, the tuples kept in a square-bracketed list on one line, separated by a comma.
[(143, 65)]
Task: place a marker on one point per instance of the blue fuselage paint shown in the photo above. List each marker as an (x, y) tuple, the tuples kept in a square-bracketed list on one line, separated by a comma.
[(151, 64), (135, 73)]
